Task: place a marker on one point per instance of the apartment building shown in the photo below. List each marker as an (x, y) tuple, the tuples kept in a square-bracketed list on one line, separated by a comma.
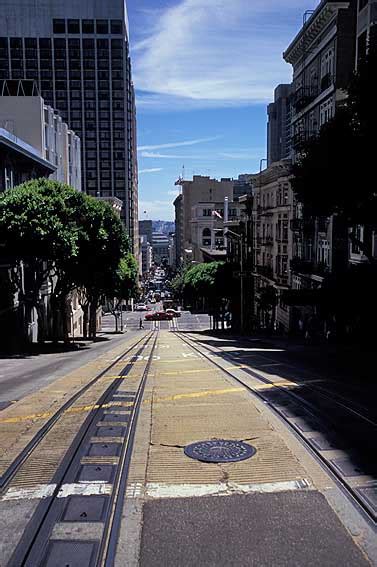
[(160, 247), (178, 235), (146, 255), (279, 125), (322, 56), (30, 119), (207, 229), (200, 190), (366, 19), (273, 212), (78, 52), (146, 229)]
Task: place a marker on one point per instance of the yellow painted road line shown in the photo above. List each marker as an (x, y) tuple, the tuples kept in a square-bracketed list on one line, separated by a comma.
[(178, 372), (202, 394), (79, 409)]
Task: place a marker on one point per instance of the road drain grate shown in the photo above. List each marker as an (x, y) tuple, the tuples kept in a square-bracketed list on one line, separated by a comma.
[(104, 449), (93, 473), (71, 554), (85, 509), (220, 451), (115, 417), (111, 431)]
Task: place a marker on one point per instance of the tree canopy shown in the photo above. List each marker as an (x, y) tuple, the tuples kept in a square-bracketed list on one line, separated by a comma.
[(69, 237)]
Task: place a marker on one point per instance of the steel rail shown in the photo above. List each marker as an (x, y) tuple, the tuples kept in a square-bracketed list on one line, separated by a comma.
[(29, 551), (11, 471), (340, 480), (112, 527)]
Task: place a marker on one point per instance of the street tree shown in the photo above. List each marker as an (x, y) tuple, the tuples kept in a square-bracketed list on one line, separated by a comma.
[(124, 286), (209, 285), (36, 229), (103, 243), (63, 237)]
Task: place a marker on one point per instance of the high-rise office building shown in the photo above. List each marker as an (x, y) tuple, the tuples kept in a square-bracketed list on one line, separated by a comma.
[(78, 52), (279, 125)]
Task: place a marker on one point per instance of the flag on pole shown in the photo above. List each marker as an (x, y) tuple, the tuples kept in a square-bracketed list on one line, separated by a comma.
[(217, 214)]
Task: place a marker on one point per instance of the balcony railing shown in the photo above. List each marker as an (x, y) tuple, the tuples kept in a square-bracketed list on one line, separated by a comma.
[(264, 211), (301, 138), (266, 271), (303, 96), (302, 266)]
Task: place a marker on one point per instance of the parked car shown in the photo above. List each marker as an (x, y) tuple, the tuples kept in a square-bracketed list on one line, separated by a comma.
[(173, 312), (141, 307), (158, 316)]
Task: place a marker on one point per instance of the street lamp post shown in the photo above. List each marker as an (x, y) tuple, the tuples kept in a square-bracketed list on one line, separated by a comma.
[(239, 237)]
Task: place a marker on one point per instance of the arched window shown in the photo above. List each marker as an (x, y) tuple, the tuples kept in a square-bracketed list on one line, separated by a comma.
[(206, 237)]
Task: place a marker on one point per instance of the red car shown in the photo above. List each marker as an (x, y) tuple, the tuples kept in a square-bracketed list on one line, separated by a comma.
[(158, 316)]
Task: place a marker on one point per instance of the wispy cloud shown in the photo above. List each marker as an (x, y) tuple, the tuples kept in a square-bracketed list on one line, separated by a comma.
[(151, 170), (155, 155), (179, 144), (219, 155), (215, 53)]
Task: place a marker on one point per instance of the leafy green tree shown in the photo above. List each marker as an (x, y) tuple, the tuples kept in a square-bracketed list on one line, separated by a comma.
[(36, 228), (103, 243), (124, 285), (65, 237), (177, 286), (209, 286)]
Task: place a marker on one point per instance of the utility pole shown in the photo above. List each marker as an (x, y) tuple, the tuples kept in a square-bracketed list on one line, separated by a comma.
[(240, 238)]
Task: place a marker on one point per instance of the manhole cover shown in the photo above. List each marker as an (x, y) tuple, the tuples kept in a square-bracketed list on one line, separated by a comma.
[(220, 451)]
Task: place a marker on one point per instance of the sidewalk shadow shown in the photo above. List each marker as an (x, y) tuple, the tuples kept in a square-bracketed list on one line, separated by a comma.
[(336, 414), (79, 344)]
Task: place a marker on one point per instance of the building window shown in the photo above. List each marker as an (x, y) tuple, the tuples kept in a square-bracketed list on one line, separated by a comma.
[(206, 237), (102, 26), (88, 26), (326, 111), (116, 26), (45, 43), (58, 26), (73, 26), (327, 63)]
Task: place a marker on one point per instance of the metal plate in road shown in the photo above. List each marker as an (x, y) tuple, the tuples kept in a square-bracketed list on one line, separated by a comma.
[(220, 451)]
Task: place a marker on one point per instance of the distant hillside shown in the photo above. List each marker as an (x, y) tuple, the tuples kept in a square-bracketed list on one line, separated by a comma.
[(163, 227)]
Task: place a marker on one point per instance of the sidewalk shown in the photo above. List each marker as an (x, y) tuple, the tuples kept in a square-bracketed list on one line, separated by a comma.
[(25, 373)]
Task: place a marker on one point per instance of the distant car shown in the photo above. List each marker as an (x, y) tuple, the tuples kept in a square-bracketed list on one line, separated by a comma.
[(158, 316), (141, 307), (173, 312)]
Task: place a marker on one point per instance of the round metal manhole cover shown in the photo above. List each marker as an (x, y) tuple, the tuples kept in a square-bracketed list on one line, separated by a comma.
[(220, 451)]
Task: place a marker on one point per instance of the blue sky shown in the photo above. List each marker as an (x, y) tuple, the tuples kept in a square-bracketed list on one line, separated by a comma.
[(204, 71)]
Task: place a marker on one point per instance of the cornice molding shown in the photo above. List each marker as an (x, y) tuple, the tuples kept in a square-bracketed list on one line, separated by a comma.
[(317, 23)]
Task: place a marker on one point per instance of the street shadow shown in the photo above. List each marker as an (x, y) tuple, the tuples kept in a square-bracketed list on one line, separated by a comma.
[(334, 413), (33, 350)]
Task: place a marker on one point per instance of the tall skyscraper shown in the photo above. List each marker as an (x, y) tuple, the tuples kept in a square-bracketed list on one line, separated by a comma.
[(279, 125), (78, 52)]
